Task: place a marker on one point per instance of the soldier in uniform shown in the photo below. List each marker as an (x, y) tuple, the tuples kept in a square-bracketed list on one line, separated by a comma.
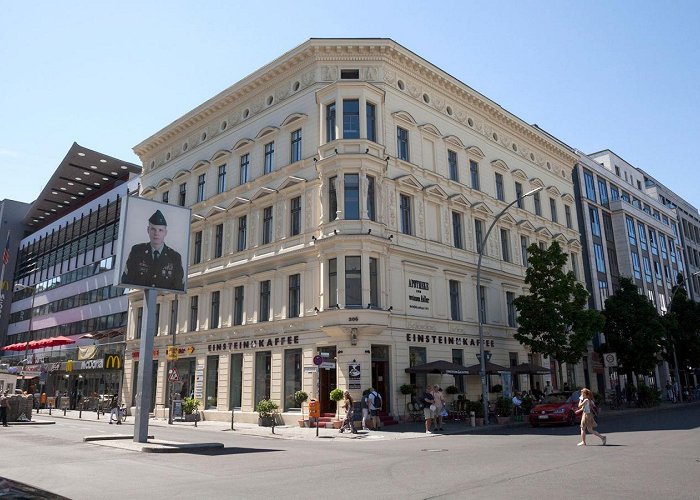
[(154, 264)]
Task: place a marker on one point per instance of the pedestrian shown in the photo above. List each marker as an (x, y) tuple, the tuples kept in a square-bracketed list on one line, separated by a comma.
[(365, 409), (114, 410), (548, 389), (428, 409), (588, 423), (42, 400), (669, 393), (439, 406), (517, 402), (4, 404), (374, 404), (349, 422)]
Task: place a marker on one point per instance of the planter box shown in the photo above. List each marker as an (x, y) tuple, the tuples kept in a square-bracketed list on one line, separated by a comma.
[(303, 422), (337, 424), (266, 421), (192, 417), (503, 420), (479, 421)]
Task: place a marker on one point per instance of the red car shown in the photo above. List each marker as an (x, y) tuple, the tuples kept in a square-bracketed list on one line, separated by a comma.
[(557, 408)]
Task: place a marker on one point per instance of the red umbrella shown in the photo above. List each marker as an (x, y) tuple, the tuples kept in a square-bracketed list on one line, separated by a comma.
[(15, 347), (54, 341)]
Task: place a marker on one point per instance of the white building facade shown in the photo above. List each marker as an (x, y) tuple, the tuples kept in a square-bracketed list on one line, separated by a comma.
[(338, 196)]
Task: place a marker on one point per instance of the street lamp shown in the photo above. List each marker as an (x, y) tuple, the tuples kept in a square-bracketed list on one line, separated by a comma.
[(480, 312), (29, 331), (673, 344)]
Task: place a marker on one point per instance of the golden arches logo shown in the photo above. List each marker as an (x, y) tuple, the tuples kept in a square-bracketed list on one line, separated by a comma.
[(113, 362)]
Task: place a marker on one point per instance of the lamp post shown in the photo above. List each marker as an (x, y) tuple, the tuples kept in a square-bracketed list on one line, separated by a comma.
[(29, 331), (480, 312), (673, 344)]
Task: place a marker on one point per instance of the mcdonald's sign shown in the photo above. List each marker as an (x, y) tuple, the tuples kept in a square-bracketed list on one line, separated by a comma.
[(113, 362)]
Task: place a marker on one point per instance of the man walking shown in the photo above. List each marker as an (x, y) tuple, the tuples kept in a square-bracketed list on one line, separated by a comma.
[(374, 405), (4, 403)]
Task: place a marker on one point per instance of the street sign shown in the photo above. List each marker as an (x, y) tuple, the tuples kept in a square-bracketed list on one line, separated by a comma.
[(172, 353), (173, 375), (328, 365), (610, 359), (310, 369), (318, 360)]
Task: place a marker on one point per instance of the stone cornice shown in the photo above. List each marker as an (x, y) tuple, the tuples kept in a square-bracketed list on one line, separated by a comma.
[(492, 120)]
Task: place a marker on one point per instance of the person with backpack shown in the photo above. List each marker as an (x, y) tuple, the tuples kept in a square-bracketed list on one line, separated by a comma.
[(374, 404)]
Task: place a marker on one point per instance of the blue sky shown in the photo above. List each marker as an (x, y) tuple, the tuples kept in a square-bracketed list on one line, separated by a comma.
[(621, 75)]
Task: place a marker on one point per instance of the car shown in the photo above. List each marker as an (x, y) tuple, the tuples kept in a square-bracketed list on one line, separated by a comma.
[(556, 408)]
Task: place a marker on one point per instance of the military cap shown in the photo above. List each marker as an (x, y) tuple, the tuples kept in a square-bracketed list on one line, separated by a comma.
[(157, 219)]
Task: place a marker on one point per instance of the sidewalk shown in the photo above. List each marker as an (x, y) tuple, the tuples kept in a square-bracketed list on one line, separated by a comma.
[(402, 430)]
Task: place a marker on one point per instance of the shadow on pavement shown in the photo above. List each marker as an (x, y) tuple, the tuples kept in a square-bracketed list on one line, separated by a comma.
[(217, 452)]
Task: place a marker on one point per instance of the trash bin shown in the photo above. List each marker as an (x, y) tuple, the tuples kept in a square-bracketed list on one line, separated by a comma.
[(314, 408)]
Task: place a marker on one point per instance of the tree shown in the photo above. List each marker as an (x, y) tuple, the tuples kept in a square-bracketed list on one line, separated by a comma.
[(633, 329), (553, 319), (682, 324)]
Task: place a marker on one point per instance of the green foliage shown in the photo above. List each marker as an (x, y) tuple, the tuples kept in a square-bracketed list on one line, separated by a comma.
[(300, 397), (504, 407), (190, 405), (648, 396), (451, 389), (682, 325), (527, 404), (406, 389), (336, 394), (633, 329), (497, 388), (266, 408), (553, 319), (477, 408)]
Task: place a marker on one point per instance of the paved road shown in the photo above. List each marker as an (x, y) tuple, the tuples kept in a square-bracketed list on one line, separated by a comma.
[(650, 454)]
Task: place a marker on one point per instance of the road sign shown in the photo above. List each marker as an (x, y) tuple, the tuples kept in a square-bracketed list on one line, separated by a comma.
[(610, 359), (173, 375), (310, 369), (328, 365), (318, 360)]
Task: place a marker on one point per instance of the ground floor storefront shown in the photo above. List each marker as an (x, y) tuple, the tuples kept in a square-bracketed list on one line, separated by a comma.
[(227, 374)]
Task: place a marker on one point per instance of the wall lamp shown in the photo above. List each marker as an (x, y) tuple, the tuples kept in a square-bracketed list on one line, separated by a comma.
[(337, 306), (315, 159), (316, 310), (336, 150), (367, 151), (367, 351), (369, 306), (391, 308), (340, 352), (313, 238), (335, 231), (353, 336), (391, 237), (387, 158), (369, 231)]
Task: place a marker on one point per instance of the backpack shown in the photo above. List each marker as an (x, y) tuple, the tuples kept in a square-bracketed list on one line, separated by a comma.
[(377, 401)]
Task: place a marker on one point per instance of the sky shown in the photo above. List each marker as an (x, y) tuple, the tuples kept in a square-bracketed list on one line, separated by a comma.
[(619, 75)]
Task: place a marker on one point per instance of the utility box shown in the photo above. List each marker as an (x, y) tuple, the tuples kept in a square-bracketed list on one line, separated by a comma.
[(314, 408)]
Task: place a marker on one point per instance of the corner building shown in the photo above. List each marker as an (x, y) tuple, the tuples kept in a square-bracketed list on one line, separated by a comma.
[(337, 196)]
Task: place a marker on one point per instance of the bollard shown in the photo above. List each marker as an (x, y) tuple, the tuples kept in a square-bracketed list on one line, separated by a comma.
[(64, 410), (80, 412), (231, 418), (472, 419)]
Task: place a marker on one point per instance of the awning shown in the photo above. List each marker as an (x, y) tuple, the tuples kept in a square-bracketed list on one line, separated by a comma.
[(439, 367)]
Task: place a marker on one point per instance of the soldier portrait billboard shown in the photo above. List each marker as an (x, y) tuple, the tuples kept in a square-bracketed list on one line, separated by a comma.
[(153, 245)]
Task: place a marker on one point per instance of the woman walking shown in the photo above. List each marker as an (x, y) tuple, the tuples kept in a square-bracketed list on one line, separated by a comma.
[(588, 422), (349, 422)]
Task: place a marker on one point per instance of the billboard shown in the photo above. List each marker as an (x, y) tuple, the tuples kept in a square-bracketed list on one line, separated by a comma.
[(153, 245)]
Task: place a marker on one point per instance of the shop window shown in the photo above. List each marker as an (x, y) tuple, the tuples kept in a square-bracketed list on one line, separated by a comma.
[(235, 382), (292, 377), (212, 387), (263, 369)]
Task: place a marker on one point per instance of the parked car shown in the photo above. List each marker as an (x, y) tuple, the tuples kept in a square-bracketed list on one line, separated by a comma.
[(557, 408)]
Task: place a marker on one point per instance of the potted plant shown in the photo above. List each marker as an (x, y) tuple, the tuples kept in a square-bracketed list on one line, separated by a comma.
[(406, 390), (478, 409), (337, 396), (266, 409), (190, 405), (504, 409), (300, 397)]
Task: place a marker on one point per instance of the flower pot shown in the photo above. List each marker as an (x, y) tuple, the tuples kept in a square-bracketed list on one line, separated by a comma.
[(192, 417), (266, 421), (303, 422), (337, 424)]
